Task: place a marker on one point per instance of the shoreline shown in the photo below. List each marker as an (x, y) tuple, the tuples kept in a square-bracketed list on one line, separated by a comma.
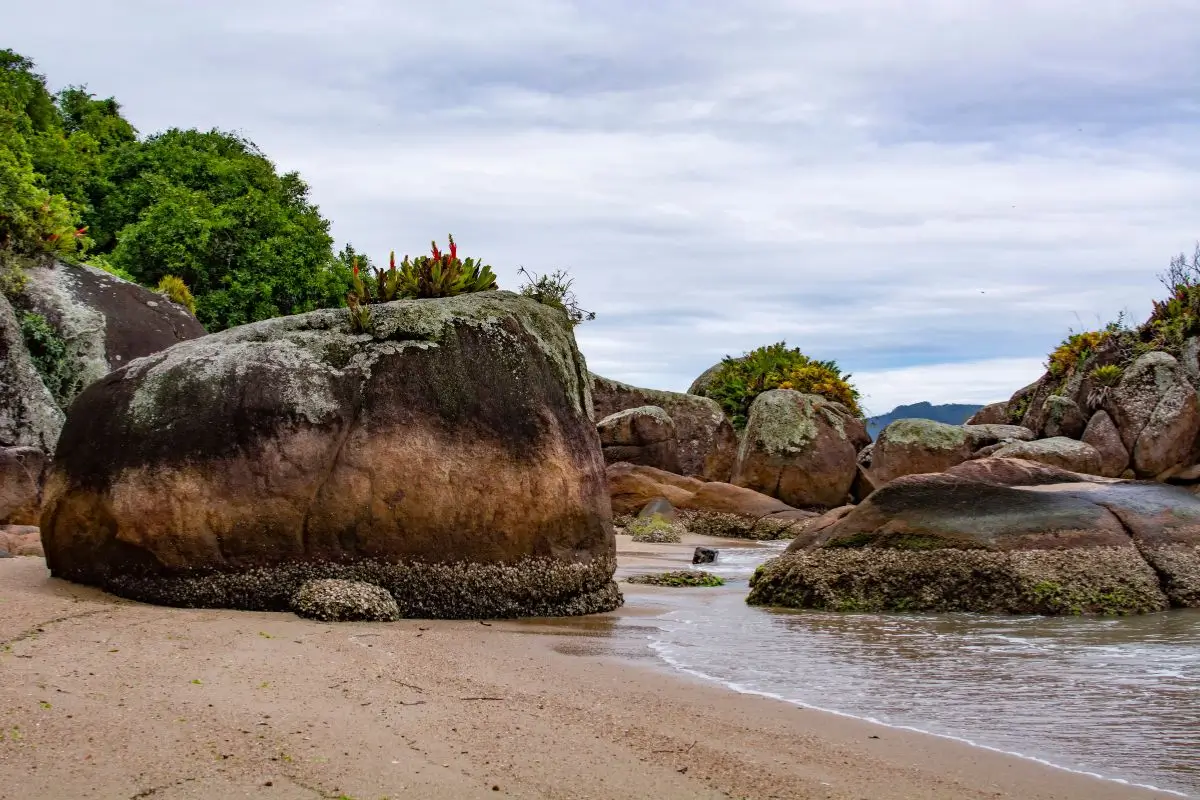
[(267, 704)]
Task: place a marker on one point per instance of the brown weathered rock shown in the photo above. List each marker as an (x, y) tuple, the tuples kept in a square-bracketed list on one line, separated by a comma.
[(711, 508), (915, 446), (1063, 418), (1059, 451), (1014, 472), (20, 540), (1102, 434), (21, 474), (1012, 543), (991, 414), (632, 486), (447, 457), (1155, 409), (643, 435), (706, 442), (800, 448)]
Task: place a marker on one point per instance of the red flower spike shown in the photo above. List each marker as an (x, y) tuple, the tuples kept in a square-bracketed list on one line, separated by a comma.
[(437, 254), (392, 260), (355, 267), (453, 250)]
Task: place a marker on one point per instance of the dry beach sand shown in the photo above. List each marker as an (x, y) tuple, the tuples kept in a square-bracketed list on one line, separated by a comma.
[(102, 698)]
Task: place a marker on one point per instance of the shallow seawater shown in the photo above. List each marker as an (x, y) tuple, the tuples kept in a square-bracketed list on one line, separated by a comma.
[(1115, 697)]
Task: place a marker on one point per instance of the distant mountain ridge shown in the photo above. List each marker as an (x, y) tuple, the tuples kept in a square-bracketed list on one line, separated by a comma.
[(952, 413)]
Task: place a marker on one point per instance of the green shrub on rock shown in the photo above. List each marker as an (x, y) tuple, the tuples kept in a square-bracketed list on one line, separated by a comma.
[(50, 357), (738, 381), (554, 290)]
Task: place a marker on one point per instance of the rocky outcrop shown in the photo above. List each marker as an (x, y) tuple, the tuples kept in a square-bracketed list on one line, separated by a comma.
[(707, 444), (632, 486), (991, 414), (29, 416), (711, 508), (448, 457), (21, 475), (643, 435), (1155, 409), (915, 446), (1058, 451), (1102, 434), (702, 383), (105, 321), (800, 448), (1063, 417), (1000, 536)]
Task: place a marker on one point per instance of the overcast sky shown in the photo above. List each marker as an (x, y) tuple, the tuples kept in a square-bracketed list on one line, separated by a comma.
[(932, 192)]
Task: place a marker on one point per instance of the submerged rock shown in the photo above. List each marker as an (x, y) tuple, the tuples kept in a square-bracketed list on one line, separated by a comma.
[(997, 536), (331, 600), (449, 457), (704, 555)]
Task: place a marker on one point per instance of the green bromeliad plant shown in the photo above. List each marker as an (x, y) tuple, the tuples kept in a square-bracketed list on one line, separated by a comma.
[(436, 275)]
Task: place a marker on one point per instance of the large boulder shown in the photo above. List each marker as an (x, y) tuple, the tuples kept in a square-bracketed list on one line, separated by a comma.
[(21, 474), (29, 417), (1058, 451), (1155, 409), (1102, 434), (999, 537), (105, 321), (707, 444), (991, 414), (914, 446), (448, 457), (800, 448), (643, 435)]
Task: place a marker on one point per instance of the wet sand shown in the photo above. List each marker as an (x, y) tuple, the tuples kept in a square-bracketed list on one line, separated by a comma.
[(102, 698)]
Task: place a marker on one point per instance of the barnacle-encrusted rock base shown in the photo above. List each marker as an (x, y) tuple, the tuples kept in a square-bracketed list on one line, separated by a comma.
[(447, 456)]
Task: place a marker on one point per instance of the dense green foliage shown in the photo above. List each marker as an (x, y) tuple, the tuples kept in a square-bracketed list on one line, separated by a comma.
[(740, 380), (205, 207), (49, 354), (554, 289)]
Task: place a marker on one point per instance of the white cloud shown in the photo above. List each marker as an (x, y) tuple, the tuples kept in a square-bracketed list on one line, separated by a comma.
[(897, 186)]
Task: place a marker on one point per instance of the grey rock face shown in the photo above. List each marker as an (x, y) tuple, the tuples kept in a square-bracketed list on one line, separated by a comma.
[(29, 417)]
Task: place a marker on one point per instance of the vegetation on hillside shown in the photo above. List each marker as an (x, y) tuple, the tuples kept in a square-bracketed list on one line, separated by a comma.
[(207, 209), (740, 380)]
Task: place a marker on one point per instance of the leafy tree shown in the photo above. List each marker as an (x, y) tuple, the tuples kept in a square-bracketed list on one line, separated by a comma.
[(210, 209)]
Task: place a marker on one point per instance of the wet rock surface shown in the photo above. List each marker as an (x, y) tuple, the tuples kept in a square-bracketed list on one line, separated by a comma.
[(999, 536)]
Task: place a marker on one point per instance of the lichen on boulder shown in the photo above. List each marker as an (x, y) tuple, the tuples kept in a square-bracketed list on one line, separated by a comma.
[(448, 457)]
